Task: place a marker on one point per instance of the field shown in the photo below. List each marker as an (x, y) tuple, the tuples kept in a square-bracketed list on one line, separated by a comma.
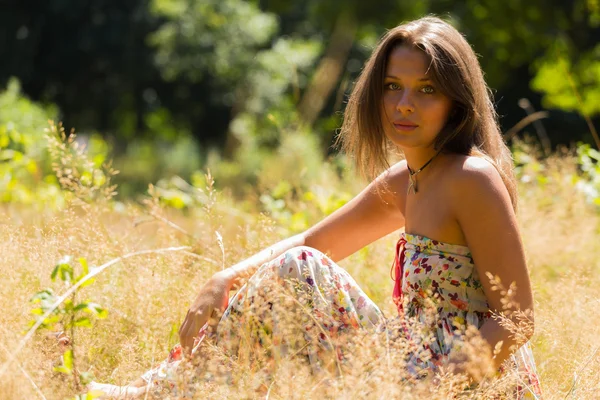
[(147, 295)]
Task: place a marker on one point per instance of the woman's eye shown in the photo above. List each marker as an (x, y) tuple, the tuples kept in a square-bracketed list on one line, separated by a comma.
[(428, 89), (392, 86)]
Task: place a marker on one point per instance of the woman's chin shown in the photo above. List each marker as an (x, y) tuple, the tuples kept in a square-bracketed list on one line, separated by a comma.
[(403, 142)]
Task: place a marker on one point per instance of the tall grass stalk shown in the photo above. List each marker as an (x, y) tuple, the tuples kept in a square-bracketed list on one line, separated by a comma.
[(150, 290)]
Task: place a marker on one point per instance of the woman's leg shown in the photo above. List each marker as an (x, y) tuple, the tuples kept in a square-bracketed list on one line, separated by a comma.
[(299, 303), (300, 300)]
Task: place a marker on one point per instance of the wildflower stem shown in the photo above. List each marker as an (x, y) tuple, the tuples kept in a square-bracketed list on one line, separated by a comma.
[(72, 289)]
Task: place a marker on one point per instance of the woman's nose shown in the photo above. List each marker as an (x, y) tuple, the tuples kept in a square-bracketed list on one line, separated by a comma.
[(405, 102)]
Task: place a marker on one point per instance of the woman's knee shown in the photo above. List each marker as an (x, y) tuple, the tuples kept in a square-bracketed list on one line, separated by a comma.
[(300, 261), (304, 249)]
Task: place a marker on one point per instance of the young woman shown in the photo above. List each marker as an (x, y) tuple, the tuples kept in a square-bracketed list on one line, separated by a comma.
[(422, 91)]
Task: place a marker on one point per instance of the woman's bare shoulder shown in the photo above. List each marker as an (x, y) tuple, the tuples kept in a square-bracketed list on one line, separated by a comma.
[(396, 177), (474, 176), (465, 169), (398, 170), (391, 185)]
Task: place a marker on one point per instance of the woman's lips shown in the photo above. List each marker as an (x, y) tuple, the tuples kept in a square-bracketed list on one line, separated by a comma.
[(405, 127)]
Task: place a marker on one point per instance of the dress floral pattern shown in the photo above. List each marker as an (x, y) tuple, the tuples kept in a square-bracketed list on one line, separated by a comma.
[(327, 293), (425, 269), (444, 275), (253, 320)]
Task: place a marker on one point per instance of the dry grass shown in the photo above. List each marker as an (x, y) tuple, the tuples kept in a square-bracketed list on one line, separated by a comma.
[(147, 296)]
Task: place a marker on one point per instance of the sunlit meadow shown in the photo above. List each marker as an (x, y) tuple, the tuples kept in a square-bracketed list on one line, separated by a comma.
[(147, 295)]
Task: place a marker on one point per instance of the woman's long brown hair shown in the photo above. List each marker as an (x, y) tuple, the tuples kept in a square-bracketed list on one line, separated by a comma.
[(471, 129)]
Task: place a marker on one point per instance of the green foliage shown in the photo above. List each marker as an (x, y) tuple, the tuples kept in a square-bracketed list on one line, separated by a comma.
[(67, 366), (298, 210), (83, 175), (195, 68), (24, 119), (38, 161), (24, 162), (68, 315), (88, 396), (229, 41), (216, 37), (589, 183), (510, 33), (147, 160), (247, 65), (533, 173), (271, 92), (568, 82)]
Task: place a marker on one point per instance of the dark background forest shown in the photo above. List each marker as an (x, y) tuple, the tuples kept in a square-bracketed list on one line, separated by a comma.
[(177, 80)]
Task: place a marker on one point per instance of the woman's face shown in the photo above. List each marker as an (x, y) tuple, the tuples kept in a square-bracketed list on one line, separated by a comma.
[(414, 111)]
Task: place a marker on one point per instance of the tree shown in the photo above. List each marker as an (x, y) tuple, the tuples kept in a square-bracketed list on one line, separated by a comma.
[(238, 71)]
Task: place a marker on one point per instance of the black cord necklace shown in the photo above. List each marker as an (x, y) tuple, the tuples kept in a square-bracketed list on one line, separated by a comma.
[(412, 175)]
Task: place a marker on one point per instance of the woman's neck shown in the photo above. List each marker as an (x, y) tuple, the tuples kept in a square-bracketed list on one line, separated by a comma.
[(417, 158)]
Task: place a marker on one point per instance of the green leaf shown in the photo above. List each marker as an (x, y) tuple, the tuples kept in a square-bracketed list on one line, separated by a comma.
[(54, 272), (80, 306), (52, 319), (91, 395), (68, 305), (84, 265), (97, 310), (86, 283), (67, 366), (63, 269), (45, 294), (66, 272), (68, 359), (63, 370), (46, 323), (84, 322)]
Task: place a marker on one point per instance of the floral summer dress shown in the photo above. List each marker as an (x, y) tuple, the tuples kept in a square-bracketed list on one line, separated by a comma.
[(338, 305), (443, 273)]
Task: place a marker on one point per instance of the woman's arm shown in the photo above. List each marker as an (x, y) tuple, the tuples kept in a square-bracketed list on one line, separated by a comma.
[(238, 274), (367, 217), (486, 217)]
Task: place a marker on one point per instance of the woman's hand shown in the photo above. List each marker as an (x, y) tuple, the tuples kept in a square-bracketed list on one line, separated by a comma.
[(207, 308)]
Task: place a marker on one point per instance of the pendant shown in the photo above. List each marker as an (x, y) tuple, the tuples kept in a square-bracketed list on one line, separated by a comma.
[(412, 185)]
